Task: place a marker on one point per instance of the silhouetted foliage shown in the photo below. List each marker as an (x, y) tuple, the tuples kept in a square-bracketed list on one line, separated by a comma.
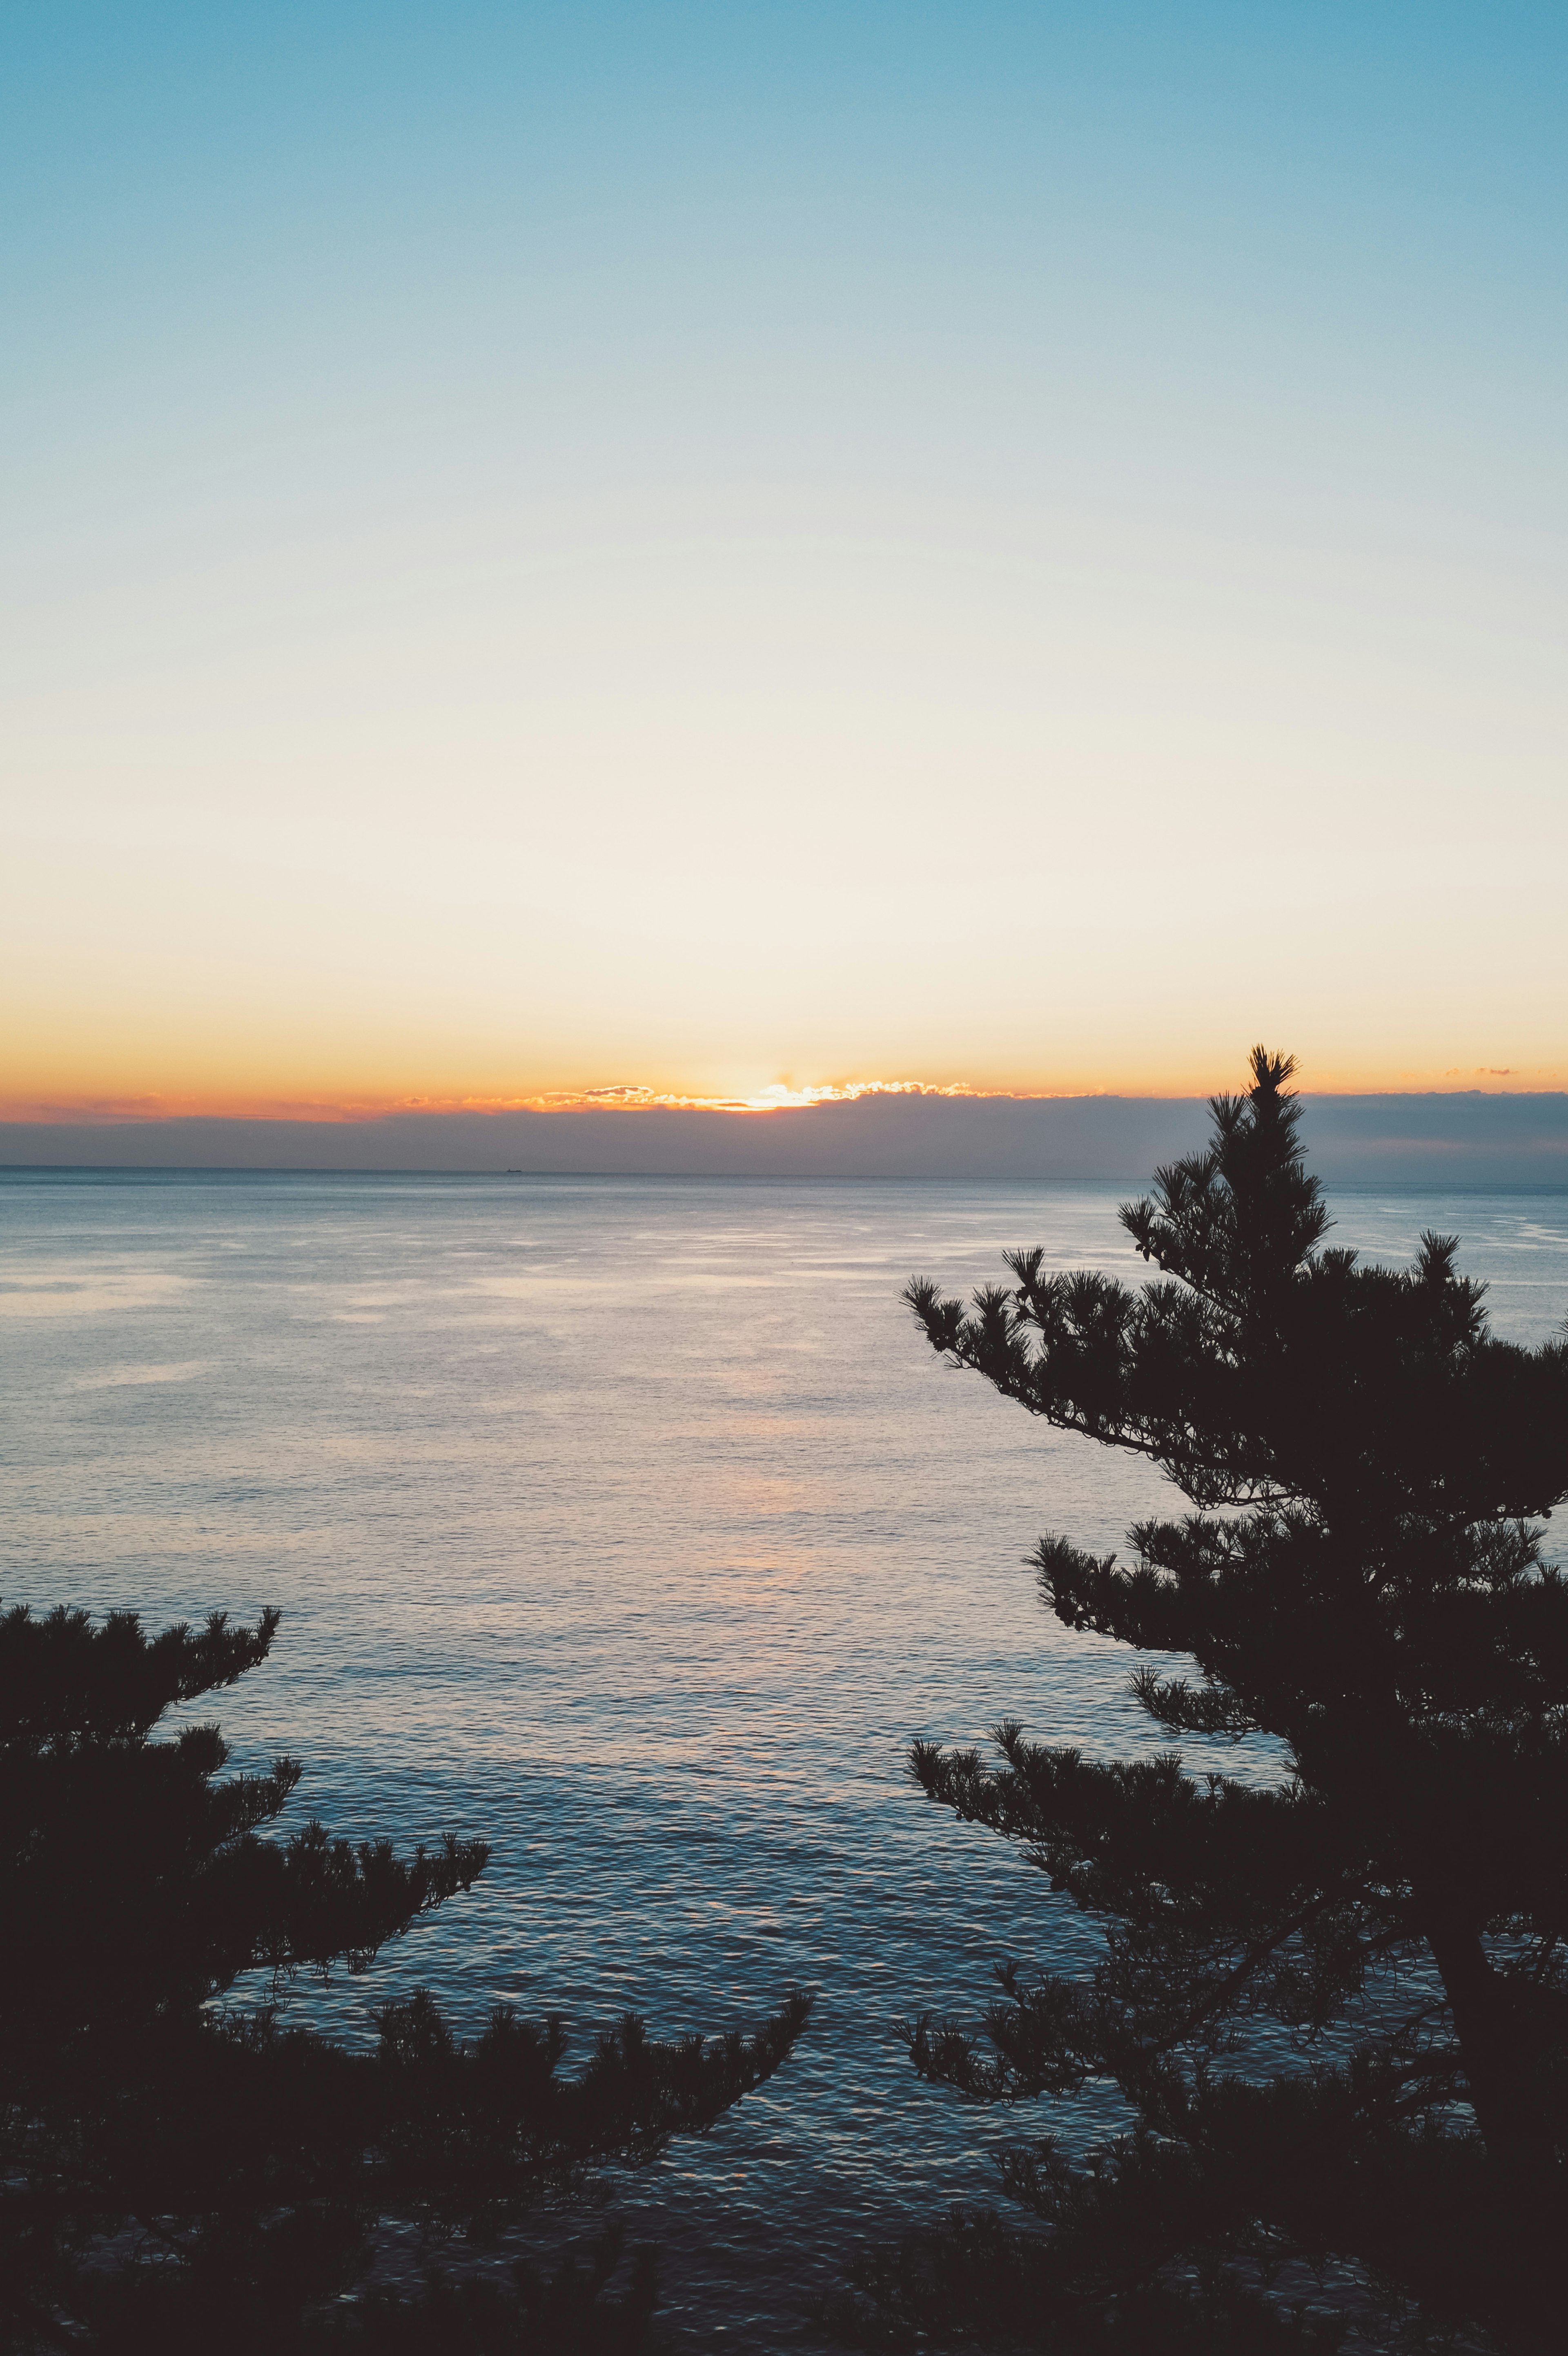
[(182, 2175), (1363, 1582), (572, 2308)]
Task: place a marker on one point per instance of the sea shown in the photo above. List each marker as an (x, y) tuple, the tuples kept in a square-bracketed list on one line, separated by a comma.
[(632, 1525)]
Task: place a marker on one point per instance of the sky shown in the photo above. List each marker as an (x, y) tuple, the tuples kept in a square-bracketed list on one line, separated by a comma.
[(727, 551)]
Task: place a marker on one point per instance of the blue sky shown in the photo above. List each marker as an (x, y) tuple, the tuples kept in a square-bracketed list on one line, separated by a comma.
[(709, 547)]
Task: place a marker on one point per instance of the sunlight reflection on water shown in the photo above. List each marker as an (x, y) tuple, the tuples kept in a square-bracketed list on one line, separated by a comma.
[(632, 1525)]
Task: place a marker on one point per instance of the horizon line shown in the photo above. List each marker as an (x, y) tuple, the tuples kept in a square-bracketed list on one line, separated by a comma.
[(763, 1108), (1444, 1135), (1373, 1181)]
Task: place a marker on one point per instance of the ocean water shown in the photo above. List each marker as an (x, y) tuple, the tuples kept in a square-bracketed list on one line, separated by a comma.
[(632, 1525)]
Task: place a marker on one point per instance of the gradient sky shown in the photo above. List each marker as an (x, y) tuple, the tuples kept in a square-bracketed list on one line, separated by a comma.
[(734, 546)]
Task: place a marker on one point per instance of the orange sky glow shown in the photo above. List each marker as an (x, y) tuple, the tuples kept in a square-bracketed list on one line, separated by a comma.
[(236, 1103), (612, 618)]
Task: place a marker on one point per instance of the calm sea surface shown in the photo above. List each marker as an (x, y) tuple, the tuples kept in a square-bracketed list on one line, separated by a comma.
[(632, 1525)]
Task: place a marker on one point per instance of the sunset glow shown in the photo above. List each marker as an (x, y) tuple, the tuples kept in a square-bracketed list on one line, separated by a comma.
[(575, 557)]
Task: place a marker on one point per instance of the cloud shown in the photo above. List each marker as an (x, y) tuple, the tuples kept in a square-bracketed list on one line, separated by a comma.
[(1463, 1137)]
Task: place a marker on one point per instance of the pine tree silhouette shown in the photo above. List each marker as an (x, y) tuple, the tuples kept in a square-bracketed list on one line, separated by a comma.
[(1362, 1580), (179, 2175)]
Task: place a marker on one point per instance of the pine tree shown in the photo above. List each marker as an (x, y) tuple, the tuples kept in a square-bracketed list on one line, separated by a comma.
[(1362, 1580), (179, 2173)]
